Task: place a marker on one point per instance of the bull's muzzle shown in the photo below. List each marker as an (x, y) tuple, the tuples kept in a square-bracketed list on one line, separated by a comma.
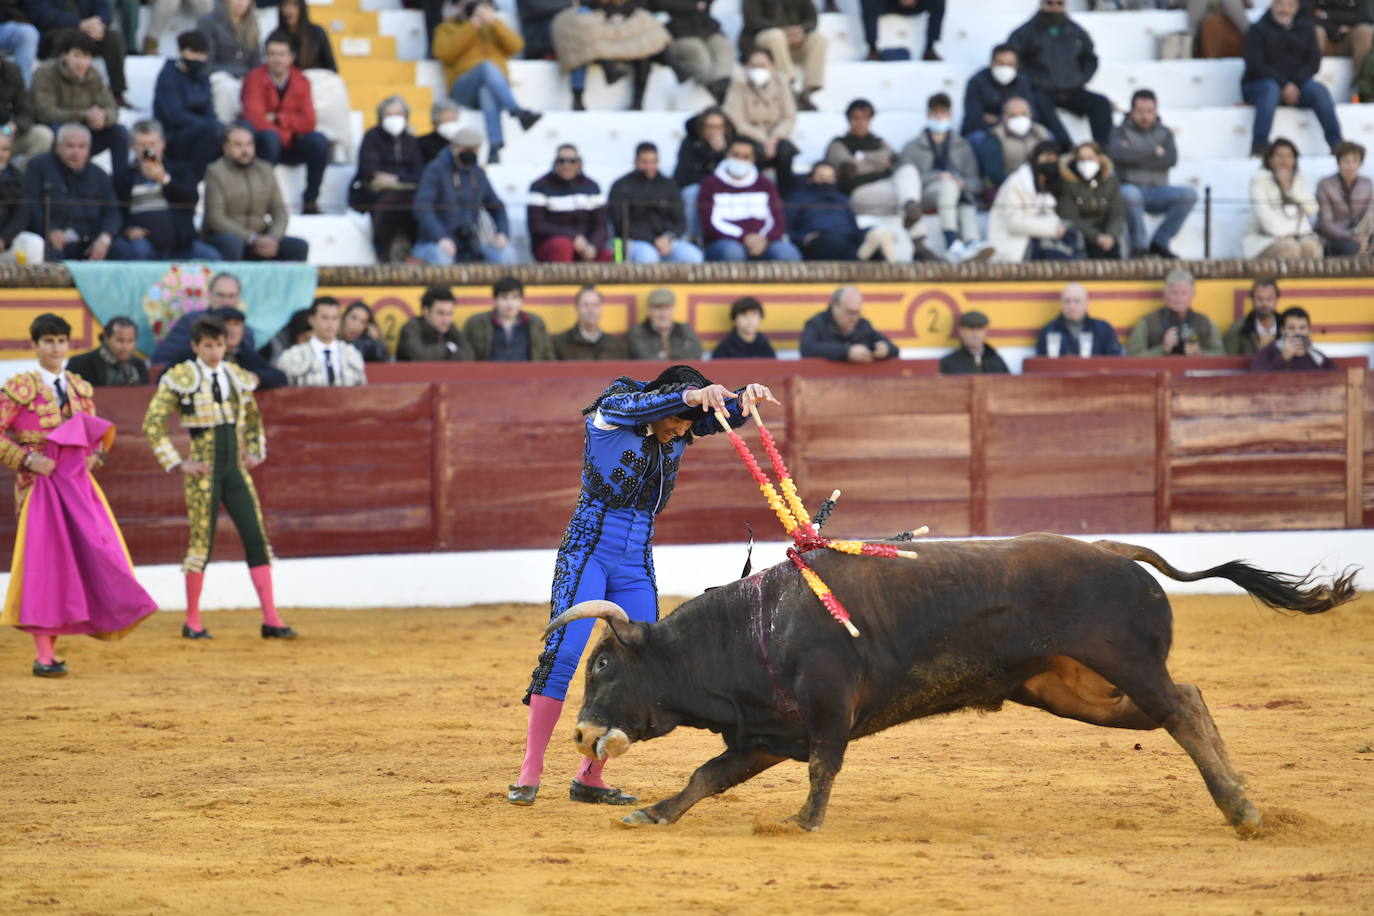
[(599, 742)]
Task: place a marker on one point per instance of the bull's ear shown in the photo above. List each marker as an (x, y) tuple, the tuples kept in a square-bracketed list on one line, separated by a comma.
[(627, 632)]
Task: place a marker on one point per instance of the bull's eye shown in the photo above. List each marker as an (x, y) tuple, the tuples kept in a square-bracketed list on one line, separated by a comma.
[(600, 663)]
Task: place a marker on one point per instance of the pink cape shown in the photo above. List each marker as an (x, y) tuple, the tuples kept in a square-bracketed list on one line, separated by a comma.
[(72, 572)]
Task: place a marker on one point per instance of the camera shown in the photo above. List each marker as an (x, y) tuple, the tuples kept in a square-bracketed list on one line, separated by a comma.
[(149, 155)]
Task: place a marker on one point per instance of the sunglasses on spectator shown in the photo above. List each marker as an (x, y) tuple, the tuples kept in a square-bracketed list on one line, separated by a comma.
[(1052, 4), (567, 160)]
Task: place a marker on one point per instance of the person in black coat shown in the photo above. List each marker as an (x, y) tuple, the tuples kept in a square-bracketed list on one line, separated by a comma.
[(72, 202), (646, 210), (389, 167), (709, 135), (315, 52), (159, 203), (988, 90), (536, 25), (1057, 54), (974, 354), (1281, 62), (116, 360), (745, 341)]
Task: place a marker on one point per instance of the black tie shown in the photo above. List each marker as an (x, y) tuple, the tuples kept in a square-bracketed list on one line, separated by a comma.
[(61, 395), (328, 366), (215, 389)]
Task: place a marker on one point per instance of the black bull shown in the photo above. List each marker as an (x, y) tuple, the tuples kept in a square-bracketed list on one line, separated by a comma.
[(1073, 628)]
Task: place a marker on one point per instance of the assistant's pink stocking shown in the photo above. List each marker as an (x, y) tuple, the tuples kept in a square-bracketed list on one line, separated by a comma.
[(544, 713), (589, 774), (262, 581), (43, 648), (195, 581)]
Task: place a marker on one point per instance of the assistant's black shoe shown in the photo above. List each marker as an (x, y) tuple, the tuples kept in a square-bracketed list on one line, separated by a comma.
[(522, 795), (277, 632), (188, 633), (595, 795), (527, 118), (56, 669), (1162, 251)]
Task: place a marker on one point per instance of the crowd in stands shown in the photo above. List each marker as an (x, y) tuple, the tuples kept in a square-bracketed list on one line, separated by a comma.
[(1006, 182)]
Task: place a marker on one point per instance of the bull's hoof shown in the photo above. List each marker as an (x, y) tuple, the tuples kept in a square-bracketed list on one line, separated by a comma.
[(1247, 821), (640, 818)]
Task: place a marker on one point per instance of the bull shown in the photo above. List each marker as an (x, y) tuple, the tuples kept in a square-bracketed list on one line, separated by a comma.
[(1077, 629)]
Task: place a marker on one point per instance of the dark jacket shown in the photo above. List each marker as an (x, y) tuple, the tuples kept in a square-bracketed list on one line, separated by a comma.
[(1283, 55), (83, 201), (1092, 207), (381, 152), (820, 337), (172, 228), (820, 209), (961, 362), (695, 157), (984, 95), (431, 145), (1338, 13), (322, 55), (773, 14), (12, 11), (685, 19), (226, 54), (175, 348), (372, 349), (734, 347), (181, 101), (481, 329), (536, 25), (1054, 59), (449, 202), (52, 17), (572, 345), (646, 343), (1270, 359), (98, 367), (1105, 342), (14, 215), (586, 217), (420, 343), (16, 104), (646, 208)]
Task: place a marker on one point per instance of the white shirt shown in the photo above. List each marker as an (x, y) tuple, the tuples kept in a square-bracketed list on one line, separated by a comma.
[(335, 356), (50, 377), (224, 412)]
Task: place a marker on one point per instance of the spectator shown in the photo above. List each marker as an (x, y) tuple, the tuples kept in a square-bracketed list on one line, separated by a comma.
[(1057, 54), (360, 330), (1260, 326), (700, 51), (1281, 62), (1232, 10), (787, 30), (614, 34), (160, 15), (741, 213), (762, 110), (1293, 350), (389, 167), (182, 103), (950, 181), (431, 336), (16, 245), (841, 333), (1175, 329), (1071, 328), (745, 340), (18, 38), (821, 223), (658, 336), (1024, 224), (448, 208), (646, 211), (536, 24), (1345, 28), (17, 116), (312, 41), (1345, 204), (567, 213), (115, 361), (276, 101), (324, 359), (475, 52), (159, 203), (508, 333), (586, 339), (1090, 201), (224, 292), (295, 331), (974, 355), (245, 216), (72, 203), (989, 90), (878, 183), (443, 114), (68, 90), (238, 341), (708, 136), (61, 21), (1281, 208), (1143, 150), (1007, 146), (235, 49), (870, 10)]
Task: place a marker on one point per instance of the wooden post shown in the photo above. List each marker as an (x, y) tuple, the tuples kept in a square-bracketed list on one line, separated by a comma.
[(438, 469), (978, 457), (1354, 447), (793, 453), (1164, 409)]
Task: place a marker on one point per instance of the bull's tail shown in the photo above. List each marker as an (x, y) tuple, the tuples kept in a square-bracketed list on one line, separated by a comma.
[(1276, 590)]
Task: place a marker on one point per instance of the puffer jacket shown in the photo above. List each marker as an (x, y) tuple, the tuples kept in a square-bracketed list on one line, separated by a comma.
[(1092, 207), (61, 98)]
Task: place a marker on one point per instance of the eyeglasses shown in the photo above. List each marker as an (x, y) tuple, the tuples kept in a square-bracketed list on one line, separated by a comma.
[(567, 160)]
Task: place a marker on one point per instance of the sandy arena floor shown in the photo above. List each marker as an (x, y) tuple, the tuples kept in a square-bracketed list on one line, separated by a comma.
[(362, 770)]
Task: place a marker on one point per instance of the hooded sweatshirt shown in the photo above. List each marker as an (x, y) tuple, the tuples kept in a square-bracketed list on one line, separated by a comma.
[(731, 208)]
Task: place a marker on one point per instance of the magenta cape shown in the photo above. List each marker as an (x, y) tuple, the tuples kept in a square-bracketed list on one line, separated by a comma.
[(71, 571)]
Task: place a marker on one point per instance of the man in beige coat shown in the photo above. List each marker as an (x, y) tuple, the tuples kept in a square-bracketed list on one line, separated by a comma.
[(245, 216), (68, 89), (761, 106)]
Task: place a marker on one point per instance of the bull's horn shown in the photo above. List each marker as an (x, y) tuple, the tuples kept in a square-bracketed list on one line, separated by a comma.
[(606, 610)]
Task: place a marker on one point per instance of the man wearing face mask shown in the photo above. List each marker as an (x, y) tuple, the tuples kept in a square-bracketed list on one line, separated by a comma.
[(989, 89), (453, 192), (389, 168), (741, 212), (1023, 224), (762, 109), (183, 105), (950, 182), (1057, 54), (1004, 148)]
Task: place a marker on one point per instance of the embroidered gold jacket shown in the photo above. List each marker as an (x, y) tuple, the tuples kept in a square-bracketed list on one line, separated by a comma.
[(29, 412), (186, 389)]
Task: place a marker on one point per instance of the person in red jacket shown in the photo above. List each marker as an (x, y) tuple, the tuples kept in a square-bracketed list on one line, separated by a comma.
[(276, 101)]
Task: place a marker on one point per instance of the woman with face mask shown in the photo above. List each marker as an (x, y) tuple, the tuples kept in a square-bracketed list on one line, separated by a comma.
[(1090, 200), (1023, 224), (389, 166), (761, 106)]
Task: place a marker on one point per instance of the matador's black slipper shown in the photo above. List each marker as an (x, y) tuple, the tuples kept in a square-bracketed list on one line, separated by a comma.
[(188, 633), (277, 632), (595, 795)]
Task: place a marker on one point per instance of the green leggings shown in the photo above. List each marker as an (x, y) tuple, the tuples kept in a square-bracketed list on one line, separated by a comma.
[(227, 484)]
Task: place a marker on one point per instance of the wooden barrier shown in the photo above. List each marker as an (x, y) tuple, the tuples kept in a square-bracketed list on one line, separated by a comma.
[(485, 457)]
